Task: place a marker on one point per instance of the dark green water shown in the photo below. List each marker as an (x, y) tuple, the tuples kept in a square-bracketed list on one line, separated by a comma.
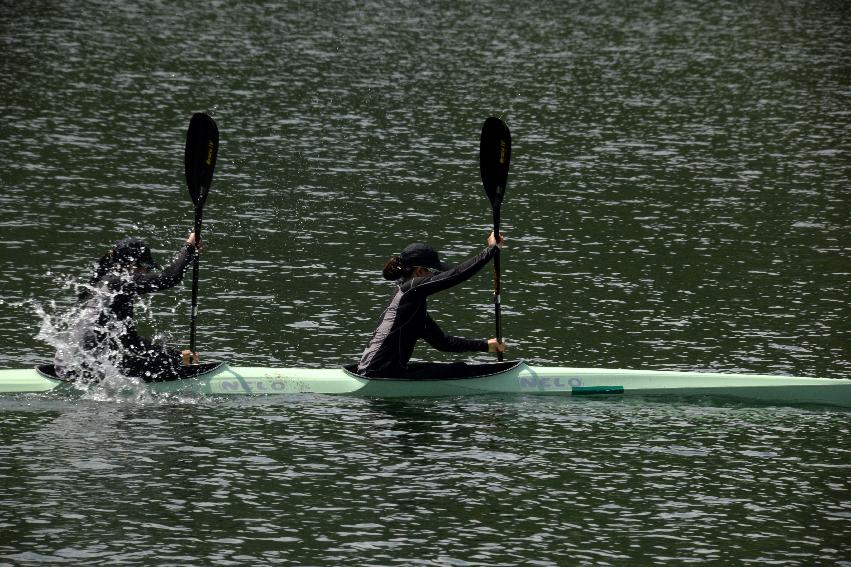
[(329, 481), (678, 199)]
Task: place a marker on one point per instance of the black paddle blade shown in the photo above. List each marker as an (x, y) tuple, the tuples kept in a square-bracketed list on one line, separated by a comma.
[(494, 157), (202, 147)]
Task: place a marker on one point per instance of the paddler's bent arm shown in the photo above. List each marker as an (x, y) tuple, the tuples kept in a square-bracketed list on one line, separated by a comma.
[(435, 336)]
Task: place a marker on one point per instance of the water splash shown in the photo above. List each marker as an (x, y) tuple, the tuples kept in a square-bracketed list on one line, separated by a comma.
[(79, 335)]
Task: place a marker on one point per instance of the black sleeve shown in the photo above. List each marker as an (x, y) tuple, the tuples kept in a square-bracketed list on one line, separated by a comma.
[(435, 336), (170, 276), (432, 284)]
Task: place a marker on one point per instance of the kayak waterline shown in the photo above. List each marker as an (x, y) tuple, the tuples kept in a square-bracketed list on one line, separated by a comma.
[(515, 377)]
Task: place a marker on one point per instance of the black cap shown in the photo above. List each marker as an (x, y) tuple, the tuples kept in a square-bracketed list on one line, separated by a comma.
[(134, 250), (421, 254)]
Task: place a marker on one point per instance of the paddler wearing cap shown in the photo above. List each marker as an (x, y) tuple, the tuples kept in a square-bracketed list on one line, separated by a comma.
[(105, 305), (419, 273)]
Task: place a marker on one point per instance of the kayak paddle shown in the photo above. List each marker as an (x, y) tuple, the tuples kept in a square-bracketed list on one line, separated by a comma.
[(494, 157), (202, 147)]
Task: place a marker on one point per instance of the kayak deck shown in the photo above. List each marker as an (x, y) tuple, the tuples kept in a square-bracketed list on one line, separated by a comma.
[(506, 378)]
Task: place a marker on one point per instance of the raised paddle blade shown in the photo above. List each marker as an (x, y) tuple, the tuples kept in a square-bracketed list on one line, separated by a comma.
[(202, 147), (494, 157)]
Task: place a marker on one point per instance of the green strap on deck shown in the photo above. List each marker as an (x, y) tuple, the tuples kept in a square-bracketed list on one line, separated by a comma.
[(595, 390)]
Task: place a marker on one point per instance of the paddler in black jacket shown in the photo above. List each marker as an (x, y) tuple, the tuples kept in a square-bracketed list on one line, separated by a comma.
[(106, 315), (419, 273)]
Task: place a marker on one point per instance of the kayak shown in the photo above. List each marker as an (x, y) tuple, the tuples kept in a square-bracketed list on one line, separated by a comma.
[(455, 379)]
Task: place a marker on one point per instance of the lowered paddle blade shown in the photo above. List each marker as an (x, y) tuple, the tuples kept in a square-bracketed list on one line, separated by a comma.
[(494, 158), (202, 148)]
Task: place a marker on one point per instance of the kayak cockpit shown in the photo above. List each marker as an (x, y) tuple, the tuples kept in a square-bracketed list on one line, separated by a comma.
[(422, 371), (167, 375)]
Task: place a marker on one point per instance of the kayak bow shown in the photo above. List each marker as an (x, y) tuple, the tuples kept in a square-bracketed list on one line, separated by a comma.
[(465, 379)]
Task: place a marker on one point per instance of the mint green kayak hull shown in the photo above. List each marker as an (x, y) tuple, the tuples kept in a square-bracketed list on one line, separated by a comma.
[(519, 379)]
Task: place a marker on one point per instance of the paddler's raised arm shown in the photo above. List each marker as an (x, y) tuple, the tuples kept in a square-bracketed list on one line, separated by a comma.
[(171, 275), (434, 283)]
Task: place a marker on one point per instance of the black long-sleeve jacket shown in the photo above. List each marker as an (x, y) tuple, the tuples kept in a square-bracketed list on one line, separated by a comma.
[(123, 289), (406, 319)]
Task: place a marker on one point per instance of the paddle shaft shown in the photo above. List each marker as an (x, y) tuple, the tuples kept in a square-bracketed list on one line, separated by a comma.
[(199, 208), (497, 284)]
